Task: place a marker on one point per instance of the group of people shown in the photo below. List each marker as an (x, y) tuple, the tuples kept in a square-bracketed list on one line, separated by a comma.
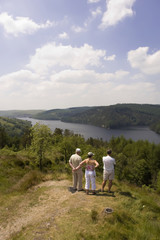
[(90, 164)]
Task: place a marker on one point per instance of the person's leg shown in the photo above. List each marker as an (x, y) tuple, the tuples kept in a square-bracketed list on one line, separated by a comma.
[(93, 182), (103, 185), (110, 177), (87, 182), (80, 176), (109, 185), (105, 178), (75, 178)]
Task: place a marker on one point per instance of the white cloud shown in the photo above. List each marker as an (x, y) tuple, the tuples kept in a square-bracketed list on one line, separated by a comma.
[(97, 12), (24, 89), (52, 56), (93, 1), (116, 11), (87, 76), (17, 81), (21, 25), (146, 63), (78, 29), (110, 58), (139, 92), (63, 35)]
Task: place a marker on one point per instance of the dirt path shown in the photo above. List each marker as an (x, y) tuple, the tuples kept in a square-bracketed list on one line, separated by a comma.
[(48, 206)]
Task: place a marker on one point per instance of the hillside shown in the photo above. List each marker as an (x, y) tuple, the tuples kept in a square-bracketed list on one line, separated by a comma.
[(59, 114), (115, 116), (14, 127), (41, 205), (51, 211), (19, 113)]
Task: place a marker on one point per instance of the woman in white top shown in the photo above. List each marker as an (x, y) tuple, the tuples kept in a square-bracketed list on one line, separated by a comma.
[(90, 174)]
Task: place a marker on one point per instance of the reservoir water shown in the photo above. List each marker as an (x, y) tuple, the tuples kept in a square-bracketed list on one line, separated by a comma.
[(87, 131)]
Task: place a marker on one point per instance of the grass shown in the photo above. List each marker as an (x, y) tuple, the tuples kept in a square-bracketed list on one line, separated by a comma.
[(62, 215)]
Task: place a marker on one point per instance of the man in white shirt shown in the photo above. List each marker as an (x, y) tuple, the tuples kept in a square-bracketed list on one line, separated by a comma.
[(108, 170), (74, 162)]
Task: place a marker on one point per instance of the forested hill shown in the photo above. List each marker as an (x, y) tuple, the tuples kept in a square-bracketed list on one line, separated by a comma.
[(13, 127), (19, 113), (114, 116)]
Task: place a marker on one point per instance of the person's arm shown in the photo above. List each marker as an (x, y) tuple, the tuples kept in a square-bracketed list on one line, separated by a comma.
[(80, 165), (71, 165), (96, 163)]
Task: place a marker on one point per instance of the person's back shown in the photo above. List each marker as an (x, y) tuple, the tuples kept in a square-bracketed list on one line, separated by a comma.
[(75, 160), (108, 170), (90, 164), (108, 163)]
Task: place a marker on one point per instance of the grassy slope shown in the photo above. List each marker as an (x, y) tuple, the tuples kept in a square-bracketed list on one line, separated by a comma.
[(50, 211)]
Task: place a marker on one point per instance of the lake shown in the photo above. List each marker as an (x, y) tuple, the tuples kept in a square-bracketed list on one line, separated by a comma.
[(87, 131)]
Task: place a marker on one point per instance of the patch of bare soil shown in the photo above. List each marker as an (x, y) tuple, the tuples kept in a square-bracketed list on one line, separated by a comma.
[(48, 206)]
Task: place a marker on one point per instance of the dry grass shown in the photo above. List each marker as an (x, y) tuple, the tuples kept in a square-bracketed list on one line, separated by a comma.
[(62, 215), (50, 211)]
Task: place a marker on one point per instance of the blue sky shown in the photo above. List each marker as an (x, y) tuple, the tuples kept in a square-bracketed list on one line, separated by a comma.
[(71, 53)]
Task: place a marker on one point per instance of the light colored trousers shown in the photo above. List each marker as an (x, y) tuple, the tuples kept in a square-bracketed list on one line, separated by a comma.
[(77, 179), (90, 177)]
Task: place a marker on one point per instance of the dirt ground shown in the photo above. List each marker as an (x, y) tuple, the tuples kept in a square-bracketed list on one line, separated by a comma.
[(55, 194), (43, 208)]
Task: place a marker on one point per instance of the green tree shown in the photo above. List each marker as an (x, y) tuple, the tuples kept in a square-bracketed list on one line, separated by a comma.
[(141, 172), (3, 137), (41, 142), (158, 182)]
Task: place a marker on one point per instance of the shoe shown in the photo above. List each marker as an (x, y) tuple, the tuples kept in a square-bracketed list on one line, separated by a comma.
[(94, 193), (80, 190)]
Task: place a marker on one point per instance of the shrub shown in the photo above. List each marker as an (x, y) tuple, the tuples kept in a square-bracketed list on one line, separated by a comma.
[(28, 180), (94, 215)]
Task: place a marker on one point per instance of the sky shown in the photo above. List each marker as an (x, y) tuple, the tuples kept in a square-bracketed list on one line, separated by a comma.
[(74, 53)]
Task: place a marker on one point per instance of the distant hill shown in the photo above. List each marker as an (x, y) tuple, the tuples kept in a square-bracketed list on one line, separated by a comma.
[(19, 113), (114, 116), (59, 114)]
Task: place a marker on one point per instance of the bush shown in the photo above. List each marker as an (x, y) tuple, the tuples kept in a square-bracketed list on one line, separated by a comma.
[(158, 182), (30, 179), (94, 215)]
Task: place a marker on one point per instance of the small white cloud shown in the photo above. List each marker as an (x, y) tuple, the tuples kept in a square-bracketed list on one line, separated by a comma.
[(110, 58), (93, 1), (97, 12), (63, 35), (78, 29), (22, 25), (146, 63), (116, 11)]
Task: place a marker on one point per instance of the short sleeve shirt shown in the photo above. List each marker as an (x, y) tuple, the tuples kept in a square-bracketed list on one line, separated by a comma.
[(75, 160), (108, 163)]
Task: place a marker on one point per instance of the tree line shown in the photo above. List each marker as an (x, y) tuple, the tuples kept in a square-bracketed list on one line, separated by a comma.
[(137, 162), (114, 116)]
